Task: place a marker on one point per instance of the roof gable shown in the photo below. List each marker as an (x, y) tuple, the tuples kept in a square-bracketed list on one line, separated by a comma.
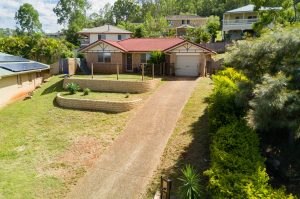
[(189, 47)]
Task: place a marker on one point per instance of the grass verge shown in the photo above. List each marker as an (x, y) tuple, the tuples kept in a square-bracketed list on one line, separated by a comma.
[(189, 143), (104, 96)]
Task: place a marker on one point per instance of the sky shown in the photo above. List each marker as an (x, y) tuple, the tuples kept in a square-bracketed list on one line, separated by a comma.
[(8, 8)]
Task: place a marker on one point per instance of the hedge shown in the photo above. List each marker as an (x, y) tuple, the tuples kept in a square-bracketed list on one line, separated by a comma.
[(237, 167)]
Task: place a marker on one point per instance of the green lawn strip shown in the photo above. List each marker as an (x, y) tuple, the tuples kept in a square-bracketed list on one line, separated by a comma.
[(124, 77), (104, 96), (189, 143), (35, 132)]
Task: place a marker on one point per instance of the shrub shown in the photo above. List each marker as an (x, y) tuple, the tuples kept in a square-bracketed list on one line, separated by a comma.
[(223, 107), (237, 168), (86, 91), (190, 183), (73, 88)]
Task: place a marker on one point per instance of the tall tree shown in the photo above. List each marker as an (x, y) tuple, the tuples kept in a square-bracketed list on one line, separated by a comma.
[(212, 26), (73, 14), (27, 19), (125, 10)]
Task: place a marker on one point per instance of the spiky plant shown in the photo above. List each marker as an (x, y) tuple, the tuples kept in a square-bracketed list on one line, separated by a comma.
[(190, 183)]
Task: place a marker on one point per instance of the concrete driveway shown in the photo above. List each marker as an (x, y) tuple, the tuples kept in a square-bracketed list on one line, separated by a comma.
[(125, 168)]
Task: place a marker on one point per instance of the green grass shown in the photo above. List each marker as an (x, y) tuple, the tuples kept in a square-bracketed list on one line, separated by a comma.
[(104, 96), (189, 143), (38, 141), (123, 76)]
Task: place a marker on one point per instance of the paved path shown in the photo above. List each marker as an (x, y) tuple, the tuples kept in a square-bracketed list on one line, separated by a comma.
[(126, 167)]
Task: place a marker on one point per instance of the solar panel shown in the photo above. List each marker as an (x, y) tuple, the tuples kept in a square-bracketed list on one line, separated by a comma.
[(18, 67), (7, 58)]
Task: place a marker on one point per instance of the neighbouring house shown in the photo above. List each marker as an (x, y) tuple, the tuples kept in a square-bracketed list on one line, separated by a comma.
[(240, 20), (108, 32), (182, 58), (182, 22), (19, 77)]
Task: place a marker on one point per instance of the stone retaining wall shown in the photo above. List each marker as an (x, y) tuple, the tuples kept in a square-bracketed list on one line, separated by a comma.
[(119, 86), (97, 105)]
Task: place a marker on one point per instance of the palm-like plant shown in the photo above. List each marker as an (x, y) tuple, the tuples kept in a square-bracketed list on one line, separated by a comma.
[(190, 183)]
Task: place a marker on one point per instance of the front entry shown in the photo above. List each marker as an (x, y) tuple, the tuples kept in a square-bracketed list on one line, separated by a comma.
[(129, 62)]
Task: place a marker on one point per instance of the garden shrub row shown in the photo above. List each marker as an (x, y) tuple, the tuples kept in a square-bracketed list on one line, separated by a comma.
[(237, 167)]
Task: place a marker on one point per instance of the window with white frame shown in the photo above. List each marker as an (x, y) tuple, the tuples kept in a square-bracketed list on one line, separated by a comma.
[(104, 57), (101, 36), (145, 57)]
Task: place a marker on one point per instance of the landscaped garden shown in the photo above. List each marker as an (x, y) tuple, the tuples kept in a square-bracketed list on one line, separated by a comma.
[(103, 96), (45, 149)]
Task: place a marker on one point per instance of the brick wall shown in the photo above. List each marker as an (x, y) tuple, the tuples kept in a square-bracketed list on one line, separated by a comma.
[(114, 85), (116, 58), (193, 22), (97, 105)]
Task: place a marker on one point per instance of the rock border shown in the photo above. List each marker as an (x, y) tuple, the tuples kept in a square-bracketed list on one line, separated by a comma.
[(118, 86), (97, 105)]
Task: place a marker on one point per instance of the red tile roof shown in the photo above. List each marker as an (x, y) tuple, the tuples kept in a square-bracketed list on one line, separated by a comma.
[(149, 44), (143, 44)]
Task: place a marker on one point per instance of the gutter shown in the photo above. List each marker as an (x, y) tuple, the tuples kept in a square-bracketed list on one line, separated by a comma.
[(24, 72)]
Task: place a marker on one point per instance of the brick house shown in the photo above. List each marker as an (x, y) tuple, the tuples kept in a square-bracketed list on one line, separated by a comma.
[(182, 58), (182, 22)]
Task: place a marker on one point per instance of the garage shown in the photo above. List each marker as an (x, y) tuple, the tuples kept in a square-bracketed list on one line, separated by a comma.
[(187, 65)]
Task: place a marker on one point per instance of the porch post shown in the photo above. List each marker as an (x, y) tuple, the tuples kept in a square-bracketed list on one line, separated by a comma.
[(92, 66), (117, 71), (152, 71), (143, 72)]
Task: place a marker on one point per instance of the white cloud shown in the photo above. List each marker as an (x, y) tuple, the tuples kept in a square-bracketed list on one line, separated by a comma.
[(48, 19)]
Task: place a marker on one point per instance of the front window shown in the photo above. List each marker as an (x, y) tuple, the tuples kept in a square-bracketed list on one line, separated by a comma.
[(188, 21), (101, 36), (119, 37), (183, 22), (104, 57), (145, 58)]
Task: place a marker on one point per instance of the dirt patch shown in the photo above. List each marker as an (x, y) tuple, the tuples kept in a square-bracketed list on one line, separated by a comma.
[(74, 162)]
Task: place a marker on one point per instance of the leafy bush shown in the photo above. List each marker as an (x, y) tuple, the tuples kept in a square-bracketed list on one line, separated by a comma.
[(223, 107), (86, 91), (73, 88), (190, 183), (37, 47), (237, 168)]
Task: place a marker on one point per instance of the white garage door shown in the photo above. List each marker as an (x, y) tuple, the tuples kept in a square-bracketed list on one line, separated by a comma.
[(187, 65)]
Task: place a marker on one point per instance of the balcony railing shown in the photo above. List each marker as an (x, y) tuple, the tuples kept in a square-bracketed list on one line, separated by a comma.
[(237, 24)]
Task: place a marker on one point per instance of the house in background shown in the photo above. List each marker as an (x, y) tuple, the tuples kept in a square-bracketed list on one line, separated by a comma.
[(240, 20), (106, 32), (182, 22), (19, 76), (183, 58)]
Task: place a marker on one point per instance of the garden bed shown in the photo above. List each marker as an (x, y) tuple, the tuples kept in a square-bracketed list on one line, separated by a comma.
[(107, 102)]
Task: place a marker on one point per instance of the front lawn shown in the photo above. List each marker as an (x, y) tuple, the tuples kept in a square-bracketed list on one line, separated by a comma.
[(123, 76), (189, 143), (44, 149)]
